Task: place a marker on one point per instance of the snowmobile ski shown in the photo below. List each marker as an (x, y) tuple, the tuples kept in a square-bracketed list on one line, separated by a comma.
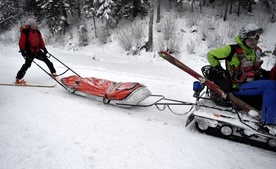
[(28, 85), (239, 103)]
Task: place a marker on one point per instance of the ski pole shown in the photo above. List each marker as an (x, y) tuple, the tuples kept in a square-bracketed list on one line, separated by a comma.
[(64, 64)]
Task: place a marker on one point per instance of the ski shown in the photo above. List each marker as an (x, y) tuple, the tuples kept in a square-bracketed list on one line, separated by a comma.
[(246, 107), (28, 85)]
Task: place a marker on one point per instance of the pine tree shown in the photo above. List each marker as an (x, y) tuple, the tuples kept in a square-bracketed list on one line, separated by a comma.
[(56, 15), (271, 5), (105, 10), (89, 11), (11, 12), (33, 8)]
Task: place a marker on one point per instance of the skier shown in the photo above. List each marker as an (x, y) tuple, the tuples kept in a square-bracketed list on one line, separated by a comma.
[(31, 46), (244, 67)]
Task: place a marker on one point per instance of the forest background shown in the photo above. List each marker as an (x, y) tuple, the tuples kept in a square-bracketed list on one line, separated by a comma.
[(132, 23)]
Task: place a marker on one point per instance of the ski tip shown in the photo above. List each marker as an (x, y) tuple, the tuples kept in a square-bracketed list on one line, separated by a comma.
[(163, 53), (189, 119)]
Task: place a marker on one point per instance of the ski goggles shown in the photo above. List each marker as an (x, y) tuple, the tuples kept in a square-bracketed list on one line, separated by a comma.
[(254, 34)]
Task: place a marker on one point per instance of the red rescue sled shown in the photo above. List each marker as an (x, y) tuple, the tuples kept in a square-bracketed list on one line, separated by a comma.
[(110, 92)]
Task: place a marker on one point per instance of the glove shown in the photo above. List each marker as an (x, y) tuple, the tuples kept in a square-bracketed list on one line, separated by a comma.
[(45, 51), (24, 54), (219, 72), (218, 68)]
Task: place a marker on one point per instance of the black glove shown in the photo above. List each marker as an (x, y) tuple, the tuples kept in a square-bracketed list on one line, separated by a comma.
[(219, 72), (218, 68), (45, 51), (265, 73), (24, 54)]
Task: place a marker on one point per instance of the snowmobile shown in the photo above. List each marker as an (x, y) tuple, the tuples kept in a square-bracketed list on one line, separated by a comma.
[(234, 119), (228, 122)]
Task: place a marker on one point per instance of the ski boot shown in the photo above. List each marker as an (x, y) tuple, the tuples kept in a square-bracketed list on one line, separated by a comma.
[(20, 82)]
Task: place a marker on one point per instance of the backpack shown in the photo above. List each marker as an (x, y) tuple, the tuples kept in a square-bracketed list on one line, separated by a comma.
[(26, 30)]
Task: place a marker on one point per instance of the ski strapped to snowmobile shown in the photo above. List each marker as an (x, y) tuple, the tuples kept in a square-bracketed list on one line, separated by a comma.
[(238, 121)]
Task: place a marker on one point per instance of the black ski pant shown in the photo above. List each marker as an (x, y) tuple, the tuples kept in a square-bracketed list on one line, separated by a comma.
[(28, 62)]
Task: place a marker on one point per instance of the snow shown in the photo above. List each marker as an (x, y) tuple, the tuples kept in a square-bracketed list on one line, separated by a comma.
[(54, 129)]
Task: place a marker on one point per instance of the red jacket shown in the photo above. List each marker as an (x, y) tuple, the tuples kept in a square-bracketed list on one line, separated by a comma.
[(33, 43)]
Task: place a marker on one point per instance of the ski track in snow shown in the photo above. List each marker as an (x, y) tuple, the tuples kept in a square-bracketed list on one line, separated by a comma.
[(51, 128)]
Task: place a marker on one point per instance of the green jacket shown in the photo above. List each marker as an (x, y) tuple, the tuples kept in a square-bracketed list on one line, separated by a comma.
[(213, 56)]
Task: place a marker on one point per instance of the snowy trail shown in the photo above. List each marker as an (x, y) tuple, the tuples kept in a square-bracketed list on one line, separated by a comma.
[(51, 128)]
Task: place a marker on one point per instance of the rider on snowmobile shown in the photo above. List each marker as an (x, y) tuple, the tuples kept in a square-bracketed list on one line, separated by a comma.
[(244, 66)]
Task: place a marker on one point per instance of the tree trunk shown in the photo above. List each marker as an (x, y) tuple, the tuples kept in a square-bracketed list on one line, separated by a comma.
[(231, 5), (150, 38), (158, 12), (200, 6), (63, 27), (192, 6), (79, 10), (135, 10), (95, 27), (239, 8), (226, 9)]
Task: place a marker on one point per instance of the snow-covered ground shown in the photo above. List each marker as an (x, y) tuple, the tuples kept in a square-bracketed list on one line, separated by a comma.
[(50, 128)]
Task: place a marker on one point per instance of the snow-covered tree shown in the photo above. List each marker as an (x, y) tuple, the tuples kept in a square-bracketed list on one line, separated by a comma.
[(10, 13), (33, 8), (105, 10), (271, 5), (89, 11), (56, 14)]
